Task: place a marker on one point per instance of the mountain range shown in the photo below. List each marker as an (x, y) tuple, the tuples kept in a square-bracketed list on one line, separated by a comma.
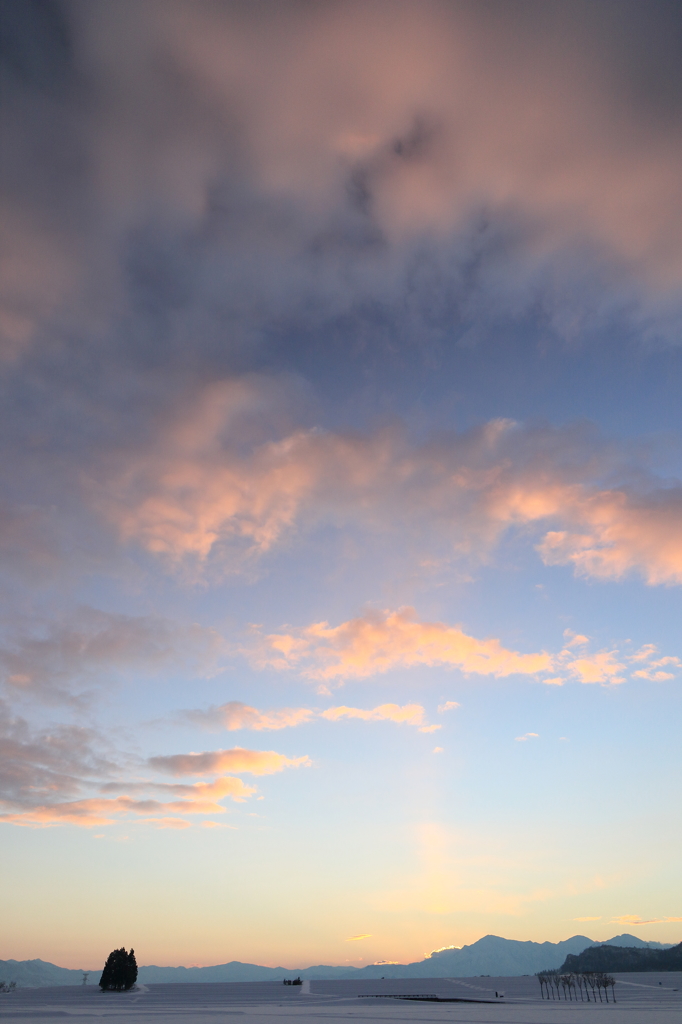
[(491, 955)]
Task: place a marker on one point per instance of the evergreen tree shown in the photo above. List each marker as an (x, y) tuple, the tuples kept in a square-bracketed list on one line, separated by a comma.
[(120, 971), (131, 969)]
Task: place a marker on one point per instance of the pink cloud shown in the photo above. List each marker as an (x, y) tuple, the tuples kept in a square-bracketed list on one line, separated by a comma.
[(379, 641), (463, 113), (322, 102), (190, 496), (619, 533), (206, 794)]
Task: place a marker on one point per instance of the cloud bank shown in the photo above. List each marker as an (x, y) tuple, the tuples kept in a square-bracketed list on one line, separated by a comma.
[(258, 164), (192, 494), (378, 642)]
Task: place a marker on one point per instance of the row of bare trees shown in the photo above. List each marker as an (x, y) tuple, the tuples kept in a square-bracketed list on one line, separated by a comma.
[(552, 983)]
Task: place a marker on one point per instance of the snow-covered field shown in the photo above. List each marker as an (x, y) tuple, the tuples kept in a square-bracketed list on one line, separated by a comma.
[(654, 997)]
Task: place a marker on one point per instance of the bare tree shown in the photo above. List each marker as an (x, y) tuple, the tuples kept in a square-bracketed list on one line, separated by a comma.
[(606, 982), (582, 984)]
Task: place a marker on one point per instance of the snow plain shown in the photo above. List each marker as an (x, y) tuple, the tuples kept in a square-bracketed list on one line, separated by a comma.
[(655, 998)]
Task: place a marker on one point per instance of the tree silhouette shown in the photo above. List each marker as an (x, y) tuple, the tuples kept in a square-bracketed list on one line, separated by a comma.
[(120, 971)]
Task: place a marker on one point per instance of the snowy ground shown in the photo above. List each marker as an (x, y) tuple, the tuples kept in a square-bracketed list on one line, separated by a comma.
[(654, 997)]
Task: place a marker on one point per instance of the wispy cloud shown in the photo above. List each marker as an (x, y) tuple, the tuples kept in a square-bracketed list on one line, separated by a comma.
[(410, 714), (357, 938), (656, 670), (54, 661), (43, 764), (527, 736), (235, 715), (572, 639), (611, 667), (238, 759), (635, 919), (201, 798)]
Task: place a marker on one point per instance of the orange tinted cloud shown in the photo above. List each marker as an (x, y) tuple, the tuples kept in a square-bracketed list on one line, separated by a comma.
[(201, 798), (618, 533), (656, 670), (635, 919), (236, 715), (207, 793), (412, 714), (610, 667), (379, 641), (601, 668), (189, 495), (238, 759)]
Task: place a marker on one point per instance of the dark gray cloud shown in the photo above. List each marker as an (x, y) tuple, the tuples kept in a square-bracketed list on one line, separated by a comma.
[(187, 182), (64, 661), (55, 764)]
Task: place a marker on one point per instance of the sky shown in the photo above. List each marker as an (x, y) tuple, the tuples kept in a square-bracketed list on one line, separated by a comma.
[(341, 513)]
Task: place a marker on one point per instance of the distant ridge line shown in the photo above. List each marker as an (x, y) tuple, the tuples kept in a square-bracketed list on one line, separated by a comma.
[(491, 955)]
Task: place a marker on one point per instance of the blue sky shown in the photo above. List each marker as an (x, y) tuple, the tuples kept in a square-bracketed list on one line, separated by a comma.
[(341, 521)]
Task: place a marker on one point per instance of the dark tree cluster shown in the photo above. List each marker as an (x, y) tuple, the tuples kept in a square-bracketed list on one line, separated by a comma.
[(623, 959), (553, 983), (120, 971), (288, 981)]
